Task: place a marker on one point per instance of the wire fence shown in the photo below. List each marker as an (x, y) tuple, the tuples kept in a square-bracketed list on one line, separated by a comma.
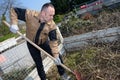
[(16, 63)]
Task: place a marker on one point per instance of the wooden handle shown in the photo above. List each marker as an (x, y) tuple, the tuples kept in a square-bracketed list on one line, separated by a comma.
[(38, 47), (30, 41)]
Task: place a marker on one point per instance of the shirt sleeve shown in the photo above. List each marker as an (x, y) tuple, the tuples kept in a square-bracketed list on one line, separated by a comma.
[(17, 13), (54, 41)]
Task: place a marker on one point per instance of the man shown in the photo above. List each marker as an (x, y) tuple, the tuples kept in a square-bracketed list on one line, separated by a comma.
[(40, 29)]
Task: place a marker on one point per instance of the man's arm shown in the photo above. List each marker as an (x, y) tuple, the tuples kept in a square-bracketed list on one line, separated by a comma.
[(54, 46), (54, 43), (20, 13), (17, 13)]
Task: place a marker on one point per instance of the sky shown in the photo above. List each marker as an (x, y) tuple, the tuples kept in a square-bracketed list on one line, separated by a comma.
[(33, 4)]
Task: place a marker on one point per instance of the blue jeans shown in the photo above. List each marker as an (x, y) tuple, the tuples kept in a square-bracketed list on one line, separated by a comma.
[(36, 55)]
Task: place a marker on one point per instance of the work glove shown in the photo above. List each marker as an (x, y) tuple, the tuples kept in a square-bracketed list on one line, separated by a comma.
[(57, 61), (65, 77), (14, 28)]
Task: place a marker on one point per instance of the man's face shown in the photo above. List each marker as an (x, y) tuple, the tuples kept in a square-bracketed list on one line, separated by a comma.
[(49, 14)]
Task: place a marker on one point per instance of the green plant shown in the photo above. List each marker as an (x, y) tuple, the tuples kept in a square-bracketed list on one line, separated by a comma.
[(2, 38), (58, 18)]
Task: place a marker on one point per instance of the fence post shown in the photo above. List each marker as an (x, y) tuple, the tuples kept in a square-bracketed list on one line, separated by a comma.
[(1, 73)]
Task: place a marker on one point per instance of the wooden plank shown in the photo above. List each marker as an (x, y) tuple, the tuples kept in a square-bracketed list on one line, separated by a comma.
[(106, 35)]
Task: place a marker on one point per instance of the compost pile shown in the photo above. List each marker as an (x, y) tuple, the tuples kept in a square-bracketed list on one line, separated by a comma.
[(98, 62), (89, 22)]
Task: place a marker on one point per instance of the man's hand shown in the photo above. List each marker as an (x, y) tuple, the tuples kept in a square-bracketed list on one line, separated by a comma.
[(57, 61), (14, 28)]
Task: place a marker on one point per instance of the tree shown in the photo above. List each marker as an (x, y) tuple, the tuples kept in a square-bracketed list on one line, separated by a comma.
[(5, 6), (61, 6)]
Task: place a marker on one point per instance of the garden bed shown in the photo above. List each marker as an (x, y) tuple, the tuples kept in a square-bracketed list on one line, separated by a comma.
[(98, 62)]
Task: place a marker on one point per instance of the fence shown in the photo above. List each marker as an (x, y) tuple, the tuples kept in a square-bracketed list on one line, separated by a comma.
[(17, 61)]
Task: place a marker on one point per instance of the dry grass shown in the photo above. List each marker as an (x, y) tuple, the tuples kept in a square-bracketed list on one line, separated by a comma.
[(98, 62)]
